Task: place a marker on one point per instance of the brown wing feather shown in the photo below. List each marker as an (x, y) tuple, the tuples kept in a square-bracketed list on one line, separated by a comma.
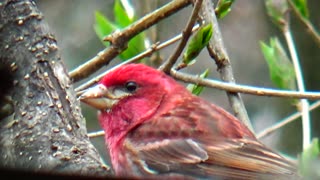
[(200, 140)]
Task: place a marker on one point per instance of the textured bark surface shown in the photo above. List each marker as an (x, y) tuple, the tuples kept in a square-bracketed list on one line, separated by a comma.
[(41, 126)]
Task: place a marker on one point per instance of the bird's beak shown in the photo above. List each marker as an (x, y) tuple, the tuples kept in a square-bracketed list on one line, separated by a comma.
[(99, 97)]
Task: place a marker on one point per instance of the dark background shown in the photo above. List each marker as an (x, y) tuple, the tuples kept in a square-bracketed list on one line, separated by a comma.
[(72, 24)]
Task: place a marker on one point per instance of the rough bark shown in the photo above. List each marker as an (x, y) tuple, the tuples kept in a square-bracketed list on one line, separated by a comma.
[(41, 125)]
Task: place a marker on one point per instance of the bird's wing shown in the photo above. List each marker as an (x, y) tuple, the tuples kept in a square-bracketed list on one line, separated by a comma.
[(184, 141), (236, 159), (166, 156), (245, 159)]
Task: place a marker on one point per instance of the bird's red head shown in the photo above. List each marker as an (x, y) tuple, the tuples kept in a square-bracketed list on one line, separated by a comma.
[(143, 76), (131, 94)]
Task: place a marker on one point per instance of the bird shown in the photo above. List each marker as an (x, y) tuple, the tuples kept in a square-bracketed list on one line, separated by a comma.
[(156, 128)]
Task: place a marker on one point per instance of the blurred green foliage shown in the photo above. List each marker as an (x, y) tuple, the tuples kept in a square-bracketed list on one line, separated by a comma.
[(104, 27), (198, 41), (302, 7), (280, 66), (278, 12), (195, 88), (309, 161), (223, 8)]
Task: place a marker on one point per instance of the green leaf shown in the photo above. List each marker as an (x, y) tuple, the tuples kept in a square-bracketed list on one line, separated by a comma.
[(135, 46), (223, 8), (309, 161), (103, 26), (123, 19), (197, 89), (302, 7), (278, 12), (197, 43), (122, 16), (281, 68)]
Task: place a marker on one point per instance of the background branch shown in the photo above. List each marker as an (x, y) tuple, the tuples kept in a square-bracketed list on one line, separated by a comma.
[(120, 39), (153, 48), (186, 33), (306, 124), (285, 121), (310, 28), (218, 52), (242, 88)]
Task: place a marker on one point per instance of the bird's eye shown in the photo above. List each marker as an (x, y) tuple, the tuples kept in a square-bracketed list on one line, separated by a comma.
[(131, 86)]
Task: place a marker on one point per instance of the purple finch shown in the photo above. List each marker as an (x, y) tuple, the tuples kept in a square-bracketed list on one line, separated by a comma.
[(154, 127)]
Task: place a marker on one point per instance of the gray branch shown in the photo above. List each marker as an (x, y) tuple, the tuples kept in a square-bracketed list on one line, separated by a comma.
[(218, 52), (41, 126)]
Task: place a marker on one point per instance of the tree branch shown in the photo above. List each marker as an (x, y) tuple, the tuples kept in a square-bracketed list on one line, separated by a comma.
[(218, 52), (310, 28), (153, 48), (281, 123), (231, 87), (120, 39), (45, 130), (185, 36)]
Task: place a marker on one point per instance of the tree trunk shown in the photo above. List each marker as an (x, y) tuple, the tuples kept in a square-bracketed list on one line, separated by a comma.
[(41, 126)]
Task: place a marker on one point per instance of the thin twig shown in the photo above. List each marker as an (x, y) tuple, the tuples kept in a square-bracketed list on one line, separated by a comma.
[(310, 28), (165, 67), (153, 33), (120, 39), (242, 88), (146, 53), (285, 121), (306, 127), (96, 134), (259, 91), (218, 52)]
